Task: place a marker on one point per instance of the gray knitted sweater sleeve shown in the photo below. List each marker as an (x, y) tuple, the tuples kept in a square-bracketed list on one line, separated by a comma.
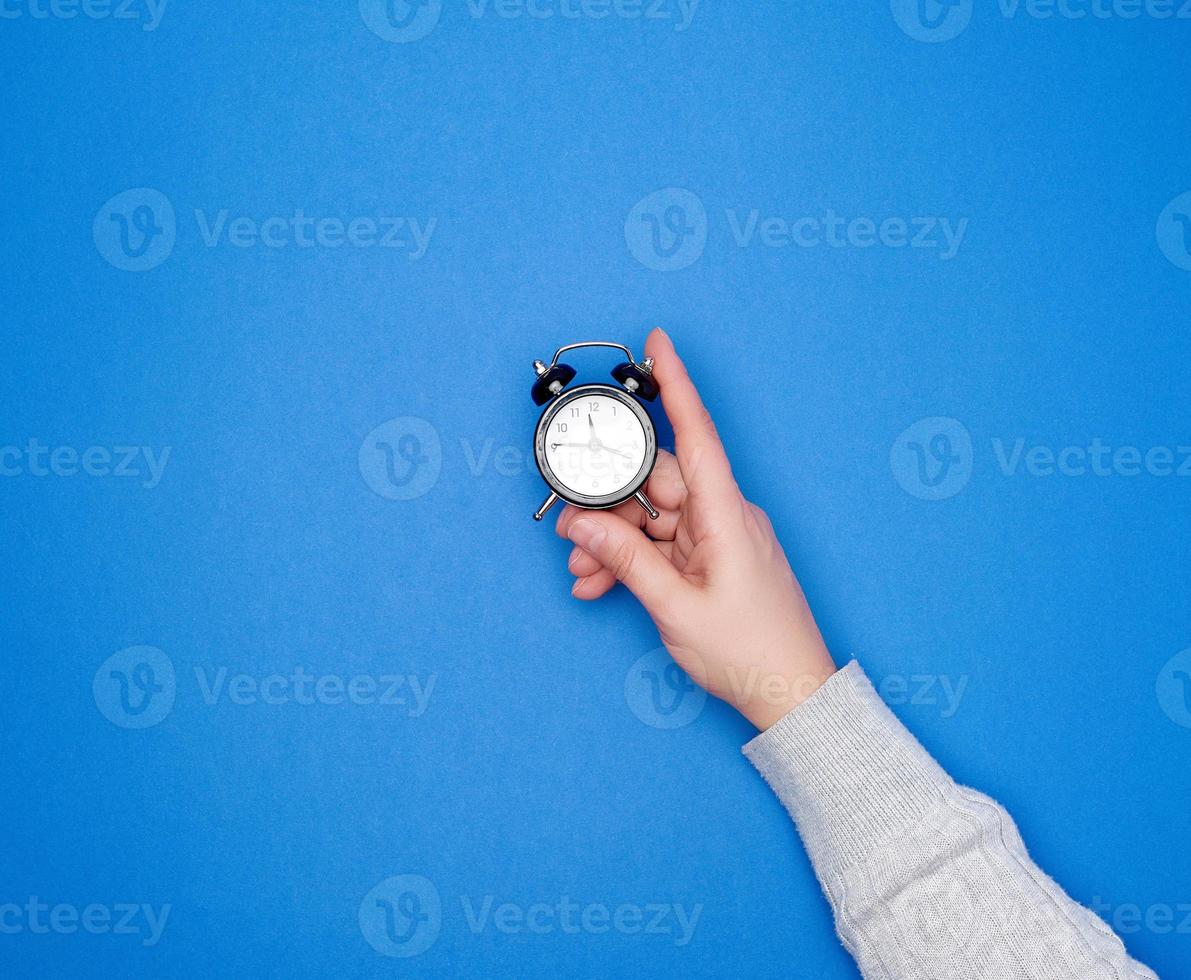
[(927, 880)]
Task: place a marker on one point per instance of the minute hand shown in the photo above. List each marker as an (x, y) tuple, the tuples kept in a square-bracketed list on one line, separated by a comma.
[(587, 445)]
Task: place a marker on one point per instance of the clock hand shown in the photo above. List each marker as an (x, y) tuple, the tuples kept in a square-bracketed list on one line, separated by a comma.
[(591, 426), (587, 445)]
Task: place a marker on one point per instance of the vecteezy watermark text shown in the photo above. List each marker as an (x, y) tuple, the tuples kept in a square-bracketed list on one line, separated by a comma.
[(939, 691), (837, 231), (935, 21), (97, 919), (136, 230), (148, 12), (298, 230), (299, 686), (662, 695), (403, 916), (1097, 458), (405, 21), (593, 918), (680, 12), (1096, 9), (402, 459), (934, 458), (668, 230), (36, 458), (136, 688), (1161, 919)]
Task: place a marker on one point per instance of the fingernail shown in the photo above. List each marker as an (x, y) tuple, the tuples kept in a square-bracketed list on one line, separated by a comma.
[(575, 553), (587, 534)]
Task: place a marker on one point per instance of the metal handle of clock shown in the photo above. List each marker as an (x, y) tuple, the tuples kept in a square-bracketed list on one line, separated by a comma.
[(645, 365)]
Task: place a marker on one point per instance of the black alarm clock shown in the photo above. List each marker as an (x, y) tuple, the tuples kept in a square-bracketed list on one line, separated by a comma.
[(595, 445)]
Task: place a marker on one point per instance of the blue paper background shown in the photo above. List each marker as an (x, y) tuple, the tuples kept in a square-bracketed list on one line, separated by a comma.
[(1058, 601)]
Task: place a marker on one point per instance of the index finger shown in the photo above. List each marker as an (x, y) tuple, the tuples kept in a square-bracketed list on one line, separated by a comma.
[(701, 457)]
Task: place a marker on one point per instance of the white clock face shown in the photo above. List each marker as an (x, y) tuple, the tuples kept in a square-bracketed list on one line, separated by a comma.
[(595, 445)]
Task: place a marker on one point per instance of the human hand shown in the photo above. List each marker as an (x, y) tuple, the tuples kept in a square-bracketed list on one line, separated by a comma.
[(710, 573)]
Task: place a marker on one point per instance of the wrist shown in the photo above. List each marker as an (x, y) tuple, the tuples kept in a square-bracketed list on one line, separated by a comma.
[(776, 696)]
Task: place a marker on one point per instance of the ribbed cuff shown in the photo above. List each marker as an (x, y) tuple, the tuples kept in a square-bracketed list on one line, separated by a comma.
[(848, 771)]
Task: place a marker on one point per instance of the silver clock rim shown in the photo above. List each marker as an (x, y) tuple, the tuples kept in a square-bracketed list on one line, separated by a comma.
[(610, 500)]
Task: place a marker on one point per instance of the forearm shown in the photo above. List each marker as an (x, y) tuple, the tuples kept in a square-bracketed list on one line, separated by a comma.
[(928, 880)]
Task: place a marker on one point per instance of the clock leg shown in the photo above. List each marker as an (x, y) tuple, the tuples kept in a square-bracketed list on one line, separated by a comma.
[(549, 502), (644, 502)]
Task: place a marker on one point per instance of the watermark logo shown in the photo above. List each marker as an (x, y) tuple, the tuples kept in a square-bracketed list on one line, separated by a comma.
[(1174, 688), (939, 939), (667, 230), (136, 230), (138, 687), (401, 459), (932, 21), (932, 459), (401, 21), (660, 693), (402, 916), (135, 687), (1174, 231)]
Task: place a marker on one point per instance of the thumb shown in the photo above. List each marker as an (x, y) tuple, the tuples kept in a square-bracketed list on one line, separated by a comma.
[(627, 553)]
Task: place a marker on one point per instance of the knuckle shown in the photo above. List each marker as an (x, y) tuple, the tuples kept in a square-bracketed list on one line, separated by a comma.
[(622, 561), (759, 517)]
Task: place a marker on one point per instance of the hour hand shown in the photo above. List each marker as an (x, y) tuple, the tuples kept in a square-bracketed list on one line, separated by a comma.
[(570, 445)]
